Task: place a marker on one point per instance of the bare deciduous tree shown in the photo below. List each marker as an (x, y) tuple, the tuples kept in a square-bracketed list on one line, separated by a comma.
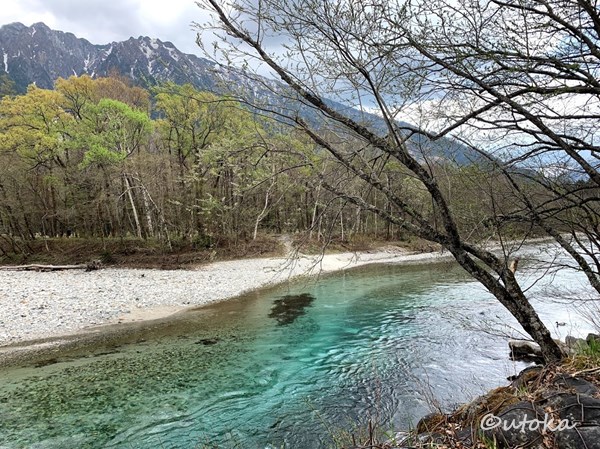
[(483, 71)]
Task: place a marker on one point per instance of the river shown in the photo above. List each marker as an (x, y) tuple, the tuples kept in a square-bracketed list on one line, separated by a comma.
[(284, 367)]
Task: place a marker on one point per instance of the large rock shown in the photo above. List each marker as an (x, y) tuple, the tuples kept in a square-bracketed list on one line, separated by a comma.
[(581, 409), (593, 338), (572, 384), (432, 422), (525, 350), (542, 407), (525, 377), (578, 438), (574, 343), (494, 401), (511, 428)]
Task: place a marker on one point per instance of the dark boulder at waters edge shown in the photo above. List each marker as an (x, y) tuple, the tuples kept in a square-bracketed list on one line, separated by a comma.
[(543, 407)]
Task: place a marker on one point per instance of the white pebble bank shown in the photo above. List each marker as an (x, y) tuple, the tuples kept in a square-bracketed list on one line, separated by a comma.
[(43, 304)]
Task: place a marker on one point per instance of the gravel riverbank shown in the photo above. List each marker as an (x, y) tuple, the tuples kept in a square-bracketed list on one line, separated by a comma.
[(45, 304)]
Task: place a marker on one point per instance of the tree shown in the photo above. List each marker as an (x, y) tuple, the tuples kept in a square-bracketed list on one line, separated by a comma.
[(526, 73), (32, 130), (7, 86), (88, 159), (388, 55), (107, 133), (227, 164)]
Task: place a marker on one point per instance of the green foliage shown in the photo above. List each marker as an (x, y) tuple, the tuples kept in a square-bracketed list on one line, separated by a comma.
[(98, 153), (111, 131), (7, 86), (33, 125), (590, 350), (87, 158)]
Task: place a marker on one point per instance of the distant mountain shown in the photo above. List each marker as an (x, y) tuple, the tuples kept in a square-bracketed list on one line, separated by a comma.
[(39, 55)]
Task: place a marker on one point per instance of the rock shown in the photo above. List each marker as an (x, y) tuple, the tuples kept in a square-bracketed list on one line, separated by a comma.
[(573, 344), (512, 429), (575, 385), (93, 265), (560, 410), (430, 439), (595, 338), (207, 341), (525, 350), (431, 422), (580, 408), (467, 436), (526, 376), (563, 347), (578, 438), (494, 401)]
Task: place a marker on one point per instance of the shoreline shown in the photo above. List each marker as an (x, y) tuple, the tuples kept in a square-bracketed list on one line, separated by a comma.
[(46, 309)]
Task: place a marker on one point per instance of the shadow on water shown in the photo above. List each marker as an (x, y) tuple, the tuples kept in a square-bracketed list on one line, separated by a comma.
[(289, 308)]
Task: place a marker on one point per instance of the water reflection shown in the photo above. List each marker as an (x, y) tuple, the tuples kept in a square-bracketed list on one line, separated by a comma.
[(288, 308)]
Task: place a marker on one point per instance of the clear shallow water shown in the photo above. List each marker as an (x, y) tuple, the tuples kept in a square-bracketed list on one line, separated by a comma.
[(271, 368)]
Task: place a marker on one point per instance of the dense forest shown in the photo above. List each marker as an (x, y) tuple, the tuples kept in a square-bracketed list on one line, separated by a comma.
[(100, 158)]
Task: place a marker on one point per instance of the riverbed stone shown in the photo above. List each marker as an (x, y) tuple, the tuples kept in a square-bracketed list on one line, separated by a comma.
[(574, 343), (522, 380), (525, 350), (431, 422), (494, 401), (595, 338), (467, 436)]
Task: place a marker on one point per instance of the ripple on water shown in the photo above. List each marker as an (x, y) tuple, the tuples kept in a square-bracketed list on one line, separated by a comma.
[(375, 342)]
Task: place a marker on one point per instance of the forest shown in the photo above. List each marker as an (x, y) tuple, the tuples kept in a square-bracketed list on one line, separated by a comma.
[(101, 158)]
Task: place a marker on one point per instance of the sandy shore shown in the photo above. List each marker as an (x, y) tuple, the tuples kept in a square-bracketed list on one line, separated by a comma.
[(38, 305)]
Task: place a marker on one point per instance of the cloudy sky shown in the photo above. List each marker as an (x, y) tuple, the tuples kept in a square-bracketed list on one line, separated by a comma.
[(104, 21)]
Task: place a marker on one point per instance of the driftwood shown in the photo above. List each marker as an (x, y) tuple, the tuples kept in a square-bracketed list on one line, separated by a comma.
[(90, 266)]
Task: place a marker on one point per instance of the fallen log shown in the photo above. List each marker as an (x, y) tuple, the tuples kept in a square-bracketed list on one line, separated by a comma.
[(90, 266)]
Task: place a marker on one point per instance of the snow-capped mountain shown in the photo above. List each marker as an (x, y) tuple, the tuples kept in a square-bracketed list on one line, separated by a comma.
[(39, 55)]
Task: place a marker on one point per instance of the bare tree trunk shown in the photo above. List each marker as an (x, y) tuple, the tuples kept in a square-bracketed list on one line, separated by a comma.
[(136, 218), (264, 210), (315, 211), (148, 210)]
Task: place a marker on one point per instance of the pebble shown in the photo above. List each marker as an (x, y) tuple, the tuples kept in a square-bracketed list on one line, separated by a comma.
[(44, 304)]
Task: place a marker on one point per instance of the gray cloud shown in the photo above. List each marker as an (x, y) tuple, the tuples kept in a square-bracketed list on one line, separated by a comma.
[(99, 20)]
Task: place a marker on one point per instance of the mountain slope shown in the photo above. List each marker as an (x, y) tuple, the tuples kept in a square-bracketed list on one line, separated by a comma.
[(39, 55)]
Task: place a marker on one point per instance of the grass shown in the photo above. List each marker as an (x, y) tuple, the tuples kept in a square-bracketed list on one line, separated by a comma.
[(586, 360)]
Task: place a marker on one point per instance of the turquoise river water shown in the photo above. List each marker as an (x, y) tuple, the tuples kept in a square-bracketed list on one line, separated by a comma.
[(283, 367)]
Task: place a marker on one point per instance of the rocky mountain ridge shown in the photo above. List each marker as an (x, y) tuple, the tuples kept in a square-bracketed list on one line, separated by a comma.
[(40, 55)]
